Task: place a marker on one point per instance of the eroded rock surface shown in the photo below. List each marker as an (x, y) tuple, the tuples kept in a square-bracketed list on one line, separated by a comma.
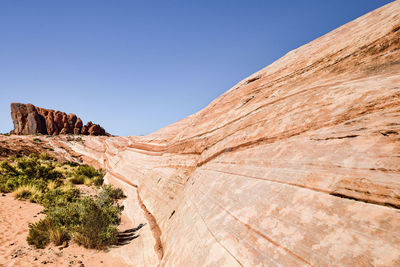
[(29, 119), (297, 165)]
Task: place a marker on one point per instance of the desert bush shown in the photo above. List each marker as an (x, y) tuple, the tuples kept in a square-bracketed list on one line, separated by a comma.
[(91, 222), (27, 170), (58, 235), (53, 184), (37, 140), (88, 171), (60, 197), (38, 235), (85, 174), (77, 179), (28, 192), (45, 156), (70, 138), (71, 163), (98, 180), (101, 220), (88, 181), (111, 192)]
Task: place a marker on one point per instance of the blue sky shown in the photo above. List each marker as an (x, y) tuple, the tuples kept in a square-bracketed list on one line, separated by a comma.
[(137, 66)]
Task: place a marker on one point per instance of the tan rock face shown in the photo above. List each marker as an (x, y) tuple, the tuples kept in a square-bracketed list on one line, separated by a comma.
[(29, 119), (297, 165)]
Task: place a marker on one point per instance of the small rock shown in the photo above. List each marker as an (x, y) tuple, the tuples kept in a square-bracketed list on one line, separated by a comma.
[(3, 195)]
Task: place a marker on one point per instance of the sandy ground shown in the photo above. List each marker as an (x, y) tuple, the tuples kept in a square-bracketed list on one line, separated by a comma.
[(15, 216)]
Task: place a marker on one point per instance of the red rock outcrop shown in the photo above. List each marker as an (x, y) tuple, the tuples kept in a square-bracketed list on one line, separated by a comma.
[(29, 119), (297, 165)]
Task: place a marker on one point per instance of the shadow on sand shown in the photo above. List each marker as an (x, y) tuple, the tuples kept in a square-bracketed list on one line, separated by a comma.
[(125, 237)]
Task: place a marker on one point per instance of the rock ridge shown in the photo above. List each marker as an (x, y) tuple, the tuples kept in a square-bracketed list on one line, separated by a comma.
[(29, 119)]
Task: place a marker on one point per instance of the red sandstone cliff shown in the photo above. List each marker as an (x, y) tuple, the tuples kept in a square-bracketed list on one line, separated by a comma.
[(29, 119)]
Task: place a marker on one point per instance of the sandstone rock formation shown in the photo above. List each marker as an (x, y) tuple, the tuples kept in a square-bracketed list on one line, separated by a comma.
[(297, 165), (29, 119)]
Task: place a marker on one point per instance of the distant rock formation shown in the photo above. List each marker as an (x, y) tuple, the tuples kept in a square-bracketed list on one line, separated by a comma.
[(29, 119)]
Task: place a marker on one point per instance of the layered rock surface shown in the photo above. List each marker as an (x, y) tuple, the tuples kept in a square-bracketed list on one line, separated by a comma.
[(29, 119), (297, 165)]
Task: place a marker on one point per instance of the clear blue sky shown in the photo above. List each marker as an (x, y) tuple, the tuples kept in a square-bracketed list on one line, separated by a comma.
[(137, 66)]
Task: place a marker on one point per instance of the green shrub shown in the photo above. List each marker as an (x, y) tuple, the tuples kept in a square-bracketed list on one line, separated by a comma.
[(99, 229), (60, 197), (98, 180), (27, 170), (45, 231), (88, 171), (88, 181), (71, 163), (7, 169), (112, 192), (37, 140), (53, 184), (27, 192), (77, 179), (92, 222), (58, 235), (45, 156), (39, 233), (85, 174)]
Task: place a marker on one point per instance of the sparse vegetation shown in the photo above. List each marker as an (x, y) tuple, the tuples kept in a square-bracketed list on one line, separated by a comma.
[(27, 171), (88, 221), (27, 192), (71, 138), (45, 156), (37, 140), (112, 192)]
